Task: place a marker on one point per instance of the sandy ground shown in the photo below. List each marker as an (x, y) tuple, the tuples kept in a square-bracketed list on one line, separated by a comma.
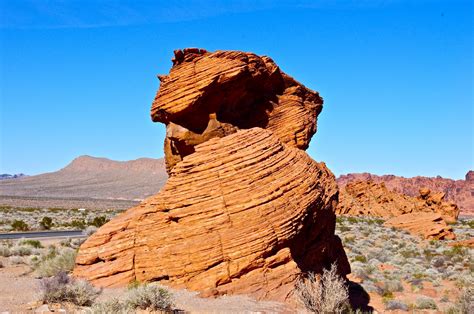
[(19, 288)]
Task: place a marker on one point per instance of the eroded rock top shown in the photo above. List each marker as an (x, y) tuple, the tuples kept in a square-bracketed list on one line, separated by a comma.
[(208, 95)]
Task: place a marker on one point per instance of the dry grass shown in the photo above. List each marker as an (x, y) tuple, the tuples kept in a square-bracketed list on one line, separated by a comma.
[(325, 294)]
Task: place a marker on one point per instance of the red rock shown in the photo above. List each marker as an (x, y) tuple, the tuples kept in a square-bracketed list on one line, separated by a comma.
[(242, 214), (467, 243), (367, 198), (209, 95), (245, 210), (461, 192), (427, 225)]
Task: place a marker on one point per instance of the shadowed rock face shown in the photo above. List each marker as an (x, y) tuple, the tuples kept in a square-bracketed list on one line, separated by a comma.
[(210, 95), (245, 210)]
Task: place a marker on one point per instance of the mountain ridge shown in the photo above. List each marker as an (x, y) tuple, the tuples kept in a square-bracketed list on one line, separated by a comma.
[(460, 191), (93, 177)]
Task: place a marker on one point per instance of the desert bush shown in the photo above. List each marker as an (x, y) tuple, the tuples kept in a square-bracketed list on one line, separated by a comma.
[(46, 223), (5, 251), (392, 286), (425, 303), (349, 239), (465, 302), (55, 263), (327, 294), (111, 306), (62, 288), (343, 228), (78, 223), (90, 230), (149, 297), (21, 250), (19, 225), (33, 243), (360, 258), (98, 221), (437, 261), (16, 260), (455, 251), (396, 305)]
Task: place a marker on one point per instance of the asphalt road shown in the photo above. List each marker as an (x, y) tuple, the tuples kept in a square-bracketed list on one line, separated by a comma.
[(42, 234)]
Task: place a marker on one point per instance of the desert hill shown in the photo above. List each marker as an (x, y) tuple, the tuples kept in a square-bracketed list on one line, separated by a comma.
[(5, 176), (91, 177), (460, 192)]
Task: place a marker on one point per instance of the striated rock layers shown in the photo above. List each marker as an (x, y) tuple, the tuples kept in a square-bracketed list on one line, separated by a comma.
[(209, 95), (429, 225), (368, 198), (245, 209), (460, 192)]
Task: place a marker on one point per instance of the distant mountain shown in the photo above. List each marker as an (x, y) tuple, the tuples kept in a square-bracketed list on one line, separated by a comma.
[(91, 177), (5, 176), (460, 192)]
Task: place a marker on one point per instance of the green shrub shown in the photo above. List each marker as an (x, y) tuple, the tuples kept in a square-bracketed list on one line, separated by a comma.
[(465, 301), (133, 284), (98, 221), (78, 223), (33, 243), (56, 262), (19, 225), (111, 306), (5, 251), (147, 297), (349, 238), (46, 223), (352, 220), (456, 251), (21, 250), (360, 258), (425, 303)]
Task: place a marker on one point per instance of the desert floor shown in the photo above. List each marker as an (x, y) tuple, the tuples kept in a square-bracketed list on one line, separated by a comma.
[(395, 271)]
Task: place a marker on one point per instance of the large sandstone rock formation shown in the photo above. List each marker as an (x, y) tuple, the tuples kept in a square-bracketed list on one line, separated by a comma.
[(245, 209), (367, 198), (210, 95), (460, 192)]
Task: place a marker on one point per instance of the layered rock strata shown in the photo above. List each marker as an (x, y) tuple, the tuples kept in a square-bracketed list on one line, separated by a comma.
[(208, 95), (367, 198), (460, 192), (245, 209), (429, 225)]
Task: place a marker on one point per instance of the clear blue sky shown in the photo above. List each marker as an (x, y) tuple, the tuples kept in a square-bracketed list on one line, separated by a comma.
[(78, 77)]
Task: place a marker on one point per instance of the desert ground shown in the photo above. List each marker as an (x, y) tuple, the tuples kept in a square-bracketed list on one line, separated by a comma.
[(395, 271)]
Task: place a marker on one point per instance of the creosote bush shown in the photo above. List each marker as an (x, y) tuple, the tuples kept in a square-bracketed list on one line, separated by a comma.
[(20, 225), (325, 294), (5, 251), (62, 288), (55, 262), (46, 223), (396, 305), (33, 243), (425, 303), (111, 306), (148, 297)]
